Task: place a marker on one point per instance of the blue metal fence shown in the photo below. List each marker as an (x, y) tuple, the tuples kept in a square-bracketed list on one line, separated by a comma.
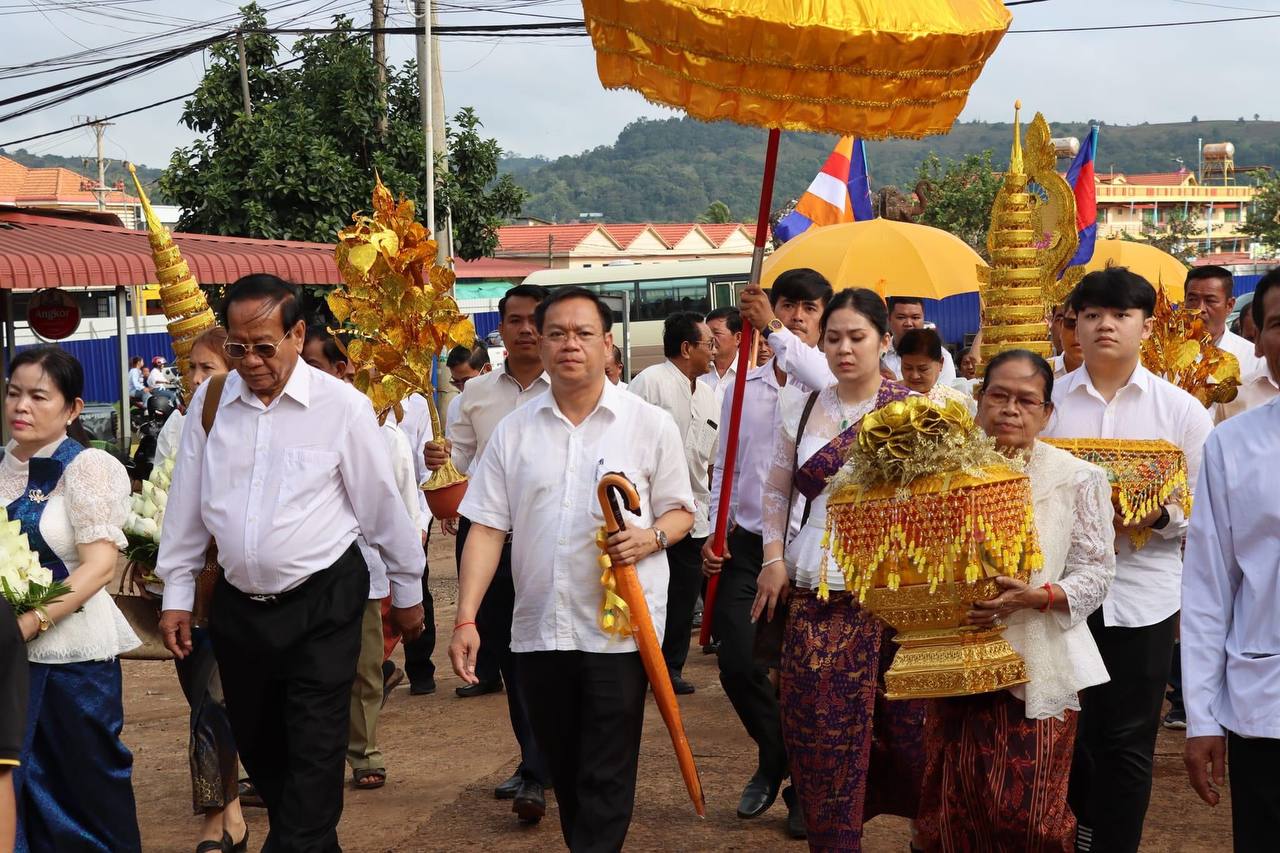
[(101, 361), (485, 322)]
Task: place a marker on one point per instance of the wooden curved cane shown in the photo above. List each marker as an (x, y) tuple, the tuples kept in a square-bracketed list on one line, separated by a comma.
[(612, 487)]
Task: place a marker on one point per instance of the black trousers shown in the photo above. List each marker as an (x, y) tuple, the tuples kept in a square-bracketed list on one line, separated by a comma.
[(745, 681), (588, 712), (493, 623), (287, 668), (1110, 785), (1255, 793), (685, 560), (417, 654)]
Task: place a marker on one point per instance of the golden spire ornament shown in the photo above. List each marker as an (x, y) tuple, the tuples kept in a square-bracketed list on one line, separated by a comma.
[(396, 303), (184, 303), (1032, 237)]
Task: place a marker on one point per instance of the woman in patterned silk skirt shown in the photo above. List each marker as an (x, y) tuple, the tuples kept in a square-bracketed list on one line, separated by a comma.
[(853, 754), (998, 763)]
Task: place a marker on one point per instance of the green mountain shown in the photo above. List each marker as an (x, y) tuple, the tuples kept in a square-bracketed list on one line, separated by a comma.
[(87, 166), (669, 170)]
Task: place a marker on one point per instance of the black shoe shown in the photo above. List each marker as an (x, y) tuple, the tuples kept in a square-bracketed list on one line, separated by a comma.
[(757, 796), (249, 796), (795, 814), (711, 648), (425, 688), (508, 789), (1175, 719), (530, 802), (220, 845), (478, 689), (680, 686)]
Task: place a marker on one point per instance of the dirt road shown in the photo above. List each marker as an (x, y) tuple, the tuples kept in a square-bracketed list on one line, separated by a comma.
[(445, 754)]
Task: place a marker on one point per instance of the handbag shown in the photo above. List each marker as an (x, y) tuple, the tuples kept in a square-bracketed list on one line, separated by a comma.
[(143, 613)]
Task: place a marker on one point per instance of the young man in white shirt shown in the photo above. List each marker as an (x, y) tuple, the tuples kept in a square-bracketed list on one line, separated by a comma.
[(585, 689), (745, 680), (674, 386), (907, 313), (1113, 396), (292, 471), (1231, 609), (1211, 291), (726, 327), (483, 404)]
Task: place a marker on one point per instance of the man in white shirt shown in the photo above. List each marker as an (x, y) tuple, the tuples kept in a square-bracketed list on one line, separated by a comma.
[(673, 386), (1231, 610), (1210, 290), (158, 382), (789, 321), (746, 681), (585, 689), (291, 473), (907, 313), (486, 401), (368, 768), (1072, 356), (1113, 396), (1264, 386), (726, 327), (613, 367)]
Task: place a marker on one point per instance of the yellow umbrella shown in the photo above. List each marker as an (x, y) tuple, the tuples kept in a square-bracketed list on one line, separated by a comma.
[(1160, 268), (892, 258)]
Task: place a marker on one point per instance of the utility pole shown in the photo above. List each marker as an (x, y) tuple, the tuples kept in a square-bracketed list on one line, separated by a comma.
[(100, 191), (424, 105), (380, 61), (445, 238), (244, 74)]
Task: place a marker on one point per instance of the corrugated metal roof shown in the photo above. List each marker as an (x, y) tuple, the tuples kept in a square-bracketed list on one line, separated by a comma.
[(45, 251)]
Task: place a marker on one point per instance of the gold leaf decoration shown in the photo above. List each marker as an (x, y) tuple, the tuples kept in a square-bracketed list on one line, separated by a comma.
[(1181, 349)]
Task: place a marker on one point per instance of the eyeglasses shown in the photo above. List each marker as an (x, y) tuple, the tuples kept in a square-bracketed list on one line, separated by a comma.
[(711, 344), (238, 351), (1001, 399)]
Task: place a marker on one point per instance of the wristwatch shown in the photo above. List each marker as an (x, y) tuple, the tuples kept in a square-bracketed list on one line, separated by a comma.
[(45, 622), (775, 325), (1163, 521), (661, 538)]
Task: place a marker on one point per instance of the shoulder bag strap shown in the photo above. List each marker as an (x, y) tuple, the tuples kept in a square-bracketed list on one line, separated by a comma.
[(211, 400)]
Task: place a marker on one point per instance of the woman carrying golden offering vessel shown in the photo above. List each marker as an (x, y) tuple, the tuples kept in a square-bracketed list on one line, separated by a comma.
[(998, 763), (853, 754)]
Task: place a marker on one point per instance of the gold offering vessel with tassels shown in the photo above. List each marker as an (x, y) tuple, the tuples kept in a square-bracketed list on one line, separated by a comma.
[(920, 522), (184, 303)]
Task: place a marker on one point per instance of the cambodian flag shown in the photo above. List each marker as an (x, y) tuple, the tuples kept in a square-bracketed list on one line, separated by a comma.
[(1080, 176), (840, 193)]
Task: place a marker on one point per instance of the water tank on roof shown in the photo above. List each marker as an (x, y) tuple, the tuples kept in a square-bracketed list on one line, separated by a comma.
[(1065, 146), (1219, 151)]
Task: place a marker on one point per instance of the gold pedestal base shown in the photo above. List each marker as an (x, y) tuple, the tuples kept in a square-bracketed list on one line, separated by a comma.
[(952, 662)]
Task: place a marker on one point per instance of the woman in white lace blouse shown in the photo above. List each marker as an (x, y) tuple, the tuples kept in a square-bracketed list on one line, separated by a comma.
[(999, 762), (73, 788)]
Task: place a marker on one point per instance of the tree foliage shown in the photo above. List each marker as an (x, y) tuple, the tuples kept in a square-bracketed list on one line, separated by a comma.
[(471, 189), (305, 160), (717, 213), (960, 195), (1263, 224)]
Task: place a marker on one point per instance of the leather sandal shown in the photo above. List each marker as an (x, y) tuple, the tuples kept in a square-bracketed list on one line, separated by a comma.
[(368, 779), (221, 845)]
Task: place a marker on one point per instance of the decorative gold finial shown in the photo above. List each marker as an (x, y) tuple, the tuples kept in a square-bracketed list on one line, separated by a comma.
[(1015, 158), (184, 303)]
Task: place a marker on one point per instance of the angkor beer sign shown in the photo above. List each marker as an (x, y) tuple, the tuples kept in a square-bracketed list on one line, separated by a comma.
[(53, 314)]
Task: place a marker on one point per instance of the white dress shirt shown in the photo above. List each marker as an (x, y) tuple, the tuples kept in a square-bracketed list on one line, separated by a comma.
[(170, 433), (485, 400), (1231, 585), (755, 450), (693, 407), (1261, 389), (1147, 582), (893, 361), (803, 363), (538, 478), (284, 489), (406, 479), (1250, 364), (416, 427), (721, 384)]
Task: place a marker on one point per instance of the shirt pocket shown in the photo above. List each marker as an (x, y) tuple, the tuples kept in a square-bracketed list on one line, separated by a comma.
[(306, 475), (702, 445), (637, 479)]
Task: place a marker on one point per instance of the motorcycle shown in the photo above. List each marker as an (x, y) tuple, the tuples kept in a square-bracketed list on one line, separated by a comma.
[(146, 426)]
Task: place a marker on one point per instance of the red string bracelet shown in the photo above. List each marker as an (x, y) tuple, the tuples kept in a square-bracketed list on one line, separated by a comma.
[(1048, 605), (462, 625)]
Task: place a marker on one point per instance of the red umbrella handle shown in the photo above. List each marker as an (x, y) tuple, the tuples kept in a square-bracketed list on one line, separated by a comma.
[(745, 348)]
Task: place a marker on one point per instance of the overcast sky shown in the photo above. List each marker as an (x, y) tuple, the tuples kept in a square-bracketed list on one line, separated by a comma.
[(543, 96)]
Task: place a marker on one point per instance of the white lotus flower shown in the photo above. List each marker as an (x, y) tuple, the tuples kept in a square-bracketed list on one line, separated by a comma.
[(148, 527)]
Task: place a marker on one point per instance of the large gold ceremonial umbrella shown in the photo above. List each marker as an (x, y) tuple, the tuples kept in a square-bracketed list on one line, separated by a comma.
[(892, 258), (872, 68), (1162, 269)]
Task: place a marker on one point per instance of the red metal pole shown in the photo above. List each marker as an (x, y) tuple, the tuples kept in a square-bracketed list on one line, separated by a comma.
[(745, 348)]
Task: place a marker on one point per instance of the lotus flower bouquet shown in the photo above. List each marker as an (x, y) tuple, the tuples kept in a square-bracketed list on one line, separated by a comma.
[(146, 516), (25, 583)]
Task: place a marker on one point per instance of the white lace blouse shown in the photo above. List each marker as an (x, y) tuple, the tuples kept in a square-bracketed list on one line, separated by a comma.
[(89, 504), (1073, 520)]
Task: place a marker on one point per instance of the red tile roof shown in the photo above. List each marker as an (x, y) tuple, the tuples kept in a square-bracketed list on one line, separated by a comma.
[(721, 232), (52, 251), (21, 184), (496, 268), (624, 233), (1158, 179), (533, 239)]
